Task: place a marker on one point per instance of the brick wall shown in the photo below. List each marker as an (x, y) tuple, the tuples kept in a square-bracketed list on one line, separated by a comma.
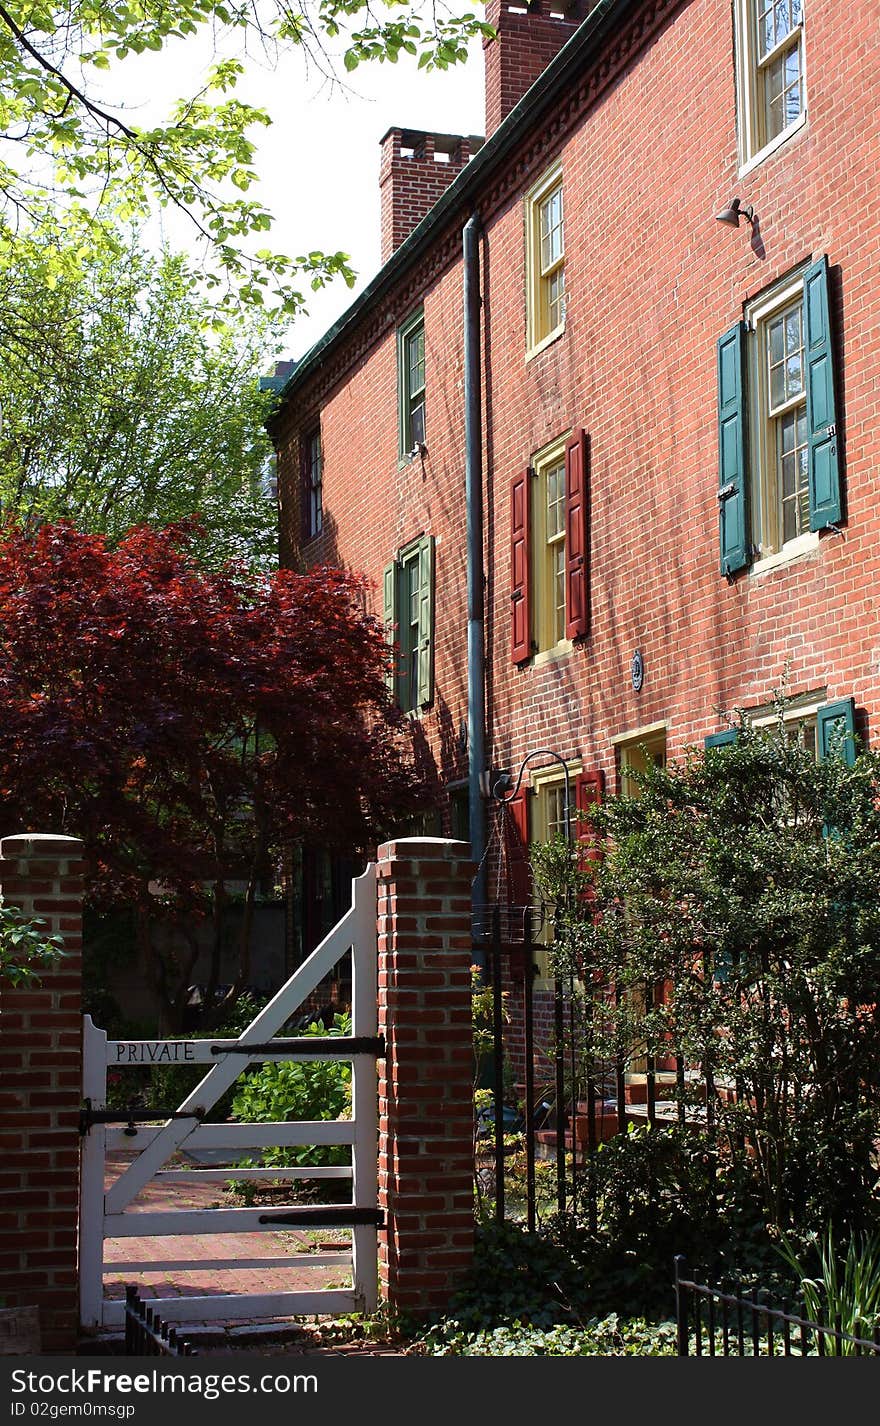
[(426, 1079), (40, 1093), (652, 281)]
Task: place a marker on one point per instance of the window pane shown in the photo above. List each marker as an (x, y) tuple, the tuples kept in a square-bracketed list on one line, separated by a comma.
[(793, 98), (783, 91), (777, 386), (559, 591), (551, 229), (555, 501), (555, 299), (555, 812), (792, 473), (416, 362), (785, 356), (417, 424), (765, 29)]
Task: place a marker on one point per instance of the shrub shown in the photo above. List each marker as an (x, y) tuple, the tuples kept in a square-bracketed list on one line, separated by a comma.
[(314, 1089)]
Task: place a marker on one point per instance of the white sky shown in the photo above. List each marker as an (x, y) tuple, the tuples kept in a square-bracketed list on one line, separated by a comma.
[(319, 162)]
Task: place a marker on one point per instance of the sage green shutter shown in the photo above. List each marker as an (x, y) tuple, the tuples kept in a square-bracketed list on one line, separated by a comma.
[(722, 739), (732, 443), (425, 692), (389, 614), (824, 464), (835, 730)]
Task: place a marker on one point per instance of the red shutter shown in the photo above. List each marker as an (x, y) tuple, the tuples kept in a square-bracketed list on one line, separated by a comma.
[(589, 790), (520, 616), (577, 552), (518, 851)]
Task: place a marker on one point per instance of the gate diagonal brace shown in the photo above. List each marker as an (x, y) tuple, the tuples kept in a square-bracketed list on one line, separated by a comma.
[(326, 1216), (319, 1046)]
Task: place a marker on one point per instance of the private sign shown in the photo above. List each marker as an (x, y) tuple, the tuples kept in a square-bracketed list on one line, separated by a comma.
[(154, 1052)]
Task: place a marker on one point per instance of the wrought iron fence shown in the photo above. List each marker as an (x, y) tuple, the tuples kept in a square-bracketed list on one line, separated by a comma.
[(146, 1335), (746, 1323), (565, 1113), (579, 1101)]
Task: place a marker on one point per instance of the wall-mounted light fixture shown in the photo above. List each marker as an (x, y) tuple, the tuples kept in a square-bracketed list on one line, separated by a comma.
[(733, 212)]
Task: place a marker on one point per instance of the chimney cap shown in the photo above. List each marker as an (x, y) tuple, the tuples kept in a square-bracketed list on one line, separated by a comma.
[(445, 143)]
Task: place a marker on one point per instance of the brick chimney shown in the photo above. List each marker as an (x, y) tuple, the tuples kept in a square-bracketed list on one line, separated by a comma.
[(529, 34), (416, 170)]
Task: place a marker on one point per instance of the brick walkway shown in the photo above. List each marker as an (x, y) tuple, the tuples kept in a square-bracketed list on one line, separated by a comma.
[(207, 1249)]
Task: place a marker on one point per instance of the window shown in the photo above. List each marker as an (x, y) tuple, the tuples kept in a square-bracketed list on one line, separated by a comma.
[(411, 385), (545, 262), (823, 729), (770, 74), (313, 480), (547, 822), (778, 457), (636, 752), (550, 548), (536, 816), (409, 619)]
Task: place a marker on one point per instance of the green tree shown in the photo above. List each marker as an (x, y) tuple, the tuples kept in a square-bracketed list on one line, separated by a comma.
[(73, 145), (26, 948), (121, 406), (735, 923)]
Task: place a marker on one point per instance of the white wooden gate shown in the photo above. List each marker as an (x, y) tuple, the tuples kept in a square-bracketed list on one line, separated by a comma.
[(109, 1215)]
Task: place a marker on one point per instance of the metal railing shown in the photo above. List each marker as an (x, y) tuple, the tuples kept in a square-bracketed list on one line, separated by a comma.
[(146, 1335), (715, 1323)]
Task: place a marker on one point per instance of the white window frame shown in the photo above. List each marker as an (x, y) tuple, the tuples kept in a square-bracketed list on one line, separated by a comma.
[(749, 82), (538, 332), (763, 474)]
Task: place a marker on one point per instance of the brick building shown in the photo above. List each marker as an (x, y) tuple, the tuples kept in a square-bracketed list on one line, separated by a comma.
[(670, 467)]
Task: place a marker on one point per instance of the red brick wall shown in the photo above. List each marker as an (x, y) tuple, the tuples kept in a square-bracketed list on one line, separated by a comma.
[(652, 281), (426, 1181), (40, 1094)]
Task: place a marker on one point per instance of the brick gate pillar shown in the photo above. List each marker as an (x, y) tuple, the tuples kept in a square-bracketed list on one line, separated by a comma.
[(426, 1167), (40, 1092)]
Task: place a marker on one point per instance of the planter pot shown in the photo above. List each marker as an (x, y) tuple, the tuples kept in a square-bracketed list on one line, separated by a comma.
[(19, 1331)]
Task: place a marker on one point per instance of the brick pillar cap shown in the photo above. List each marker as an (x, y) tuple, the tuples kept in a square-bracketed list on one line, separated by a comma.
[(39, 844), (425, 849)]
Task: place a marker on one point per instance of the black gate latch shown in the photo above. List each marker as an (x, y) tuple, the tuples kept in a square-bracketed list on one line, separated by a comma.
[(131, 1117)]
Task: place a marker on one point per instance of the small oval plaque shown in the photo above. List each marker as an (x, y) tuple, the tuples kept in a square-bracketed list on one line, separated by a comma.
[(637, 670)]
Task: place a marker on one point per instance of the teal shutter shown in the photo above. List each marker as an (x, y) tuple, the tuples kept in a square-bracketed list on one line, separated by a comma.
[(832, 720), (425, 692), (732, 433), (389, 615), (824, 466), (721, 740)]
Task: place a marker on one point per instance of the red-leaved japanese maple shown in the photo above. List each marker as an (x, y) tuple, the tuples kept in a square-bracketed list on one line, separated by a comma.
[(187, 725)]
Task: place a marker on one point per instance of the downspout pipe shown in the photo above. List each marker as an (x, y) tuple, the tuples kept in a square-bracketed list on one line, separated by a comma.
[(473, 479)]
